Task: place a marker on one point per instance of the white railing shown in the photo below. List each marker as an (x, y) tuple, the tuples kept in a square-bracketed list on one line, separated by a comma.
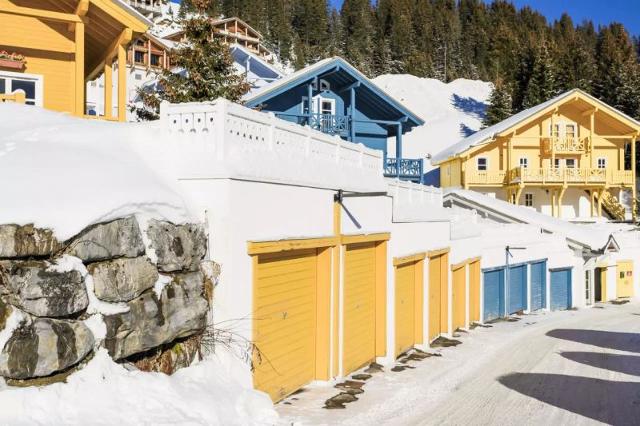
[(259, 145), (415, 202)]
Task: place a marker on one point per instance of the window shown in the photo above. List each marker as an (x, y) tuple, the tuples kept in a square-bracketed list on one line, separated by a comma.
[(554, 130), (524, 162), (155, 60), (138, 57), (570, 163), (482, 163), (528, 199), (602, 163), (305, 105), (556, 163), (30, 84), (587, 287), (327, 106), (570, 131)]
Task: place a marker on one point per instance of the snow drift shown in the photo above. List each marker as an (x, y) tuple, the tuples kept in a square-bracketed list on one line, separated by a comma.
[(452, 111), (64, 173)]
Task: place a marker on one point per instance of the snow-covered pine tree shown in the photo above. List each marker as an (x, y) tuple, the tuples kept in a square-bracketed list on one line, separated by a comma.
[(358, 31), (205, 64), (542, 83), (499, 107)]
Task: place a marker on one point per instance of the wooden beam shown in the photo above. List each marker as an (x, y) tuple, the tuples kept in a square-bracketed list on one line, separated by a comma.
[(122, 83), (108, 90), (81, 12), (589, 112), (124, 38), (79, 69), (12, 9)]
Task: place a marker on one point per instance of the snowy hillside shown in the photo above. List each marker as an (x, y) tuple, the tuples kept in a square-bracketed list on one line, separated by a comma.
[(451, 111)]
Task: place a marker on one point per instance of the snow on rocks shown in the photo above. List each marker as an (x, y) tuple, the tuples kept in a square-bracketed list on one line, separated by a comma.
[(26, 241)]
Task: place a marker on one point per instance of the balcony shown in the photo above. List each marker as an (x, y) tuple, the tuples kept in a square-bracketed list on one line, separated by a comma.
[(568, 176), (410, 168), (339, 125), (564, 145)]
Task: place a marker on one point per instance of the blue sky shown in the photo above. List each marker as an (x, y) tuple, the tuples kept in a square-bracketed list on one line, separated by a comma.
[(601, 12)]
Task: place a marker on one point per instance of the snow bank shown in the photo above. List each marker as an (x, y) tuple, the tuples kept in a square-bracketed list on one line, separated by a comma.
[(451, 111), (105, 393), (66, 173)]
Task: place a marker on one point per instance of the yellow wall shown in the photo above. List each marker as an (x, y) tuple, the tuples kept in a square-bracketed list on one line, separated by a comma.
[(48, 48)]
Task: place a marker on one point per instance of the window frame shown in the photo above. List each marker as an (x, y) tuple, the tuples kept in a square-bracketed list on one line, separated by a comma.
[(528, 203), (604, 162), (525, 163), (574, 163), (486, 164)]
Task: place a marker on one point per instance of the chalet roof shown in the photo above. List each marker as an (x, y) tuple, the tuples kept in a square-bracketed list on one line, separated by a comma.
[(586, 236), (374, 94), (485, 136), (237, 47)]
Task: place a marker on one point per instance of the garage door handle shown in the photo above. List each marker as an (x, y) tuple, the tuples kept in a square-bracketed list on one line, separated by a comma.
[(284, 315)]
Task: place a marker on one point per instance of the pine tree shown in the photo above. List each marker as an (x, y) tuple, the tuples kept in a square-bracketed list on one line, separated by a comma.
[(358, 30), (206, 65), (542, 84), (499, 107)]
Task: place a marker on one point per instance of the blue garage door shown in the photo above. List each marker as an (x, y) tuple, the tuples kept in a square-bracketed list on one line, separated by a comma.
[(560, 289), (517, 288), (538, 285), (493, 294)]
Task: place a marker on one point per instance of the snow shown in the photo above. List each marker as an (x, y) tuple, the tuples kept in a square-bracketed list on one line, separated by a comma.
[(66, 173), (13, 322), (466, 384), (106, 393), (450, 110), (160, 284)]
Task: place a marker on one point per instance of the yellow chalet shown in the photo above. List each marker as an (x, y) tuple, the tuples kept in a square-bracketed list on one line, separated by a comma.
[(49, 49), (569, 157)]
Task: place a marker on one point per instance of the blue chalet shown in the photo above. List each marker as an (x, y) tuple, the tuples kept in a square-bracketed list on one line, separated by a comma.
[(345, 103)]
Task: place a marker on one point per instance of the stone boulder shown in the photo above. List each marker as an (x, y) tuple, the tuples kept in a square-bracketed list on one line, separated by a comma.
[(180, 311), (26, 241), (104, 241), (43, 346), (35, 288), (177, 247), (122, 280)]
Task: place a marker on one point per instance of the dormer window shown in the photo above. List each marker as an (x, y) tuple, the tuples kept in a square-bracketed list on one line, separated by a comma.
[(482, 163)]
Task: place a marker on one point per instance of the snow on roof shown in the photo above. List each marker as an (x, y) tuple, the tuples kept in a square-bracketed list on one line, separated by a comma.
[(249, 97), (65, 173), (256, 58), (586, 235), (627, 239), (486, 135)]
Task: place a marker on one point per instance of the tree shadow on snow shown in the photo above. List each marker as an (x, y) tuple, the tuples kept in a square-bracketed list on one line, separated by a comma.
[(465, 130), (629, 342), (602, 400), (469, 105), (627, 364)]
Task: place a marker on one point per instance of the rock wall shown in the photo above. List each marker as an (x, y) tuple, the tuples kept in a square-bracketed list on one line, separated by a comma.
[(115, 285)]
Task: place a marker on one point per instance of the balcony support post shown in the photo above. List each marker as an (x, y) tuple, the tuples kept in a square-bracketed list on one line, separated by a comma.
[(352, 113), (600, 197), (552, 193), (593, 201), (309, 102), (560, 196), (398, 148), (518, 194)]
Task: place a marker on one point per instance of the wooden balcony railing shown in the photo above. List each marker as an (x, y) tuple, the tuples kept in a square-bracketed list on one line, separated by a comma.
[(566, 175), (326, 123), (410, 168), (482, 177), (17, 97), (566, 145)]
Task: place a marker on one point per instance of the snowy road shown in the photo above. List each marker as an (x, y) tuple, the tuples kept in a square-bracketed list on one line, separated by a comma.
[(575, 367)]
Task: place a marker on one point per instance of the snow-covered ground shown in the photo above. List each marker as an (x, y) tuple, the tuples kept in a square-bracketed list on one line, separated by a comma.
[(452, 111), (569, 367), (105, 393)]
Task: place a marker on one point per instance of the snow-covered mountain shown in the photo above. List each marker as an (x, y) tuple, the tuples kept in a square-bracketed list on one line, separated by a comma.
[(451, 111)]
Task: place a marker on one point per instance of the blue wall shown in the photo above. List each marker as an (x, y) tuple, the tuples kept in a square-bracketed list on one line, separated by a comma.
[(370, 134)]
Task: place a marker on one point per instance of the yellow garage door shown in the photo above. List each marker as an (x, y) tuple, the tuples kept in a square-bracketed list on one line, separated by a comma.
[(459, 296), (285, 321), (625, 278), (359, 306), (409, 305), (438, 295), (474, 291)]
